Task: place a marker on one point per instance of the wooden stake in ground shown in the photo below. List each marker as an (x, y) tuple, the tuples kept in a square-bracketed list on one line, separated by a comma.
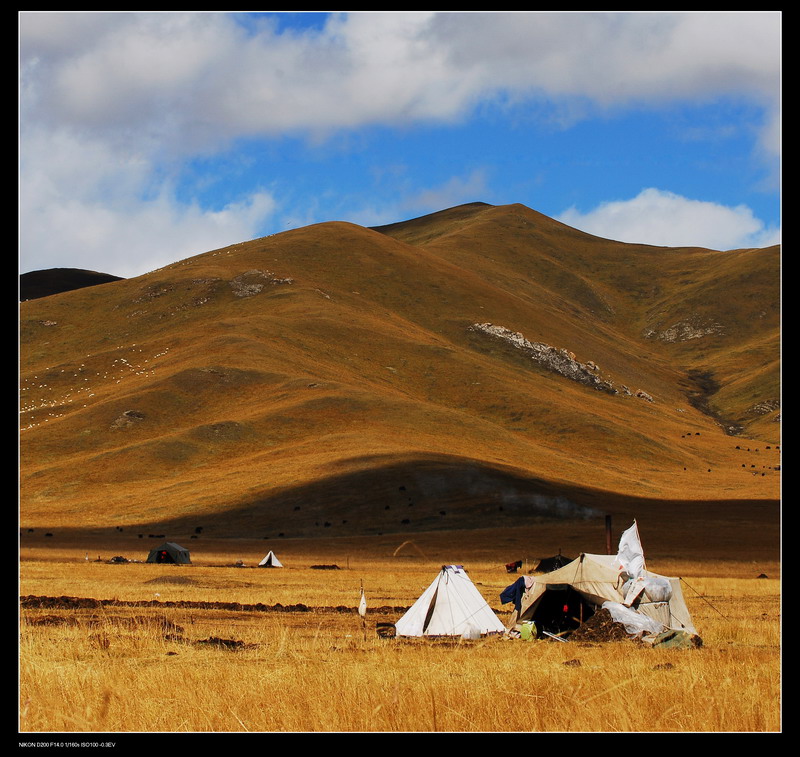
[(362, 611)]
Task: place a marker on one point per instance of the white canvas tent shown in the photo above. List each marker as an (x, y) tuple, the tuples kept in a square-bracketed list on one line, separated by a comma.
[(563, 599), (270, 561), (450, 606)]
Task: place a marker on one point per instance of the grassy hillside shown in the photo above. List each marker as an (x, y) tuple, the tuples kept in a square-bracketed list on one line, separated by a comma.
[(331, 379)]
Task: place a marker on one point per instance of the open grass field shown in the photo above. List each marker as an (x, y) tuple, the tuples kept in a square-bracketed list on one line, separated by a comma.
[(158, 656)]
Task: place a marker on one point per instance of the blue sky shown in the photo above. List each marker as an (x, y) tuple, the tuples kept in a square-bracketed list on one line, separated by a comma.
[(149, 137)]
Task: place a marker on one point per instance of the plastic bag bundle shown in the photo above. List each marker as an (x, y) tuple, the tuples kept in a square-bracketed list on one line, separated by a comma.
[(658, 589), (634, 622)]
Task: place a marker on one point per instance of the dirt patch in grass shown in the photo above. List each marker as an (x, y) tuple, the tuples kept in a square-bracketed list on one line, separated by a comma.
[(72, 603)]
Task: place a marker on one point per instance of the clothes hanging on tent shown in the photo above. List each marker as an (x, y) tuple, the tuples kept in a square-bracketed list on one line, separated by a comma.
[(515, 591)]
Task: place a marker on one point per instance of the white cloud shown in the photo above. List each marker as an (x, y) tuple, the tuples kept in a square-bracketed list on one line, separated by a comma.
[(614, 57), (84, 203), (456, 191), (198, 79), (663, 218), (142, 238), (407, 201), (112, 102)]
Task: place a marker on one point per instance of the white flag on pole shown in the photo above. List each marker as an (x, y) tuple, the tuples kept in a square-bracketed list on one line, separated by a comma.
[(630, 554), (362, 605)]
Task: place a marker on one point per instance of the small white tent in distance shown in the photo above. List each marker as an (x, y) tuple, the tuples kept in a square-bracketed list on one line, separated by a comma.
[(270, 561), (450, 606)]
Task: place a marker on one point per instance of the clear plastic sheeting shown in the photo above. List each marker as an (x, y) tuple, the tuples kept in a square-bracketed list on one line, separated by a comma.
[(657, 589), (634, 622), (654, 588), (631, 590)]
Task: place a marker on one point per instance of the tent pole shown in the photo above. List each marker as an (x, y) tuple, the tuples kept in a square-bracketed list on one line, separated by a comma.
[(608, 535)]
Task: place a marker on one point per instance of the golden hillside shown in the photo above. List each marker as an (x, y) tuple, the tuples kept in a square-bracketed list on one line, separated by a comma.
[(468, 368)]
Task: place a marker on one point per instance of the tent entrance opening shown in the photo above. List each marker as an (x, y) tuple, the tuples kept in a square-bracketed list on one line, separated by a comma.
[(561, 609)]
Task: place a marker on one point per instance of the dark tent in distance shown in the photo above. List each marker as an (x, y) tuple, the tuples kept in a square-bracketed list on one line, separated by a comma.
[(169, 552), (549, 564)]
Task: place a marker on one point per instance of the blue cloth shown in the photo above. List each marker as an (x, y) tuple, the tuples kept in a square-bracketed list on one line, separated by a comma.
[(514, 593)]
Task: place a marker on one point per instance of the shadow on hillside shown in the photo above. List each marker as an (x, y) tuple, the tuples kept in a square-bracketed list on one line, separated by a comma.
[(376, 495)]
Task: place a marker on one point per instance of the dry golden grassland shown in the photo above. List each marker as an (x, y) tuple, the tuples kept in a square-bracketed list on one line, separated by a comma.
[(122, 668)]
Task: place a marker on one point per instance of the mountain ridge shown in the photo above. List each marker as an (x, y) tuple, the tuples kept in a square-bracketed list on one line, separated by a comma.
[(222, 383), (43, 283)]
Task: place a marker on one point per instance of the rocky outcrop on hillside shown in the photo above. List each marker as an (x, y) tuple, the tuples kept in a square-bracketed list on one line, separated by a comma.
[(252, 282), (551, 358), (128, 419), (182, 295), (765, 408), (693, 327)]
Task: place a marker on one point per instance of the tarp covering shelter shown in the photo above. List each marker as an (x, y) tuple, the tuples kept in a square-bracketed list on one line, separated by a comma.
[(563, 599), (169, 552), (450, 606), (270, 561)]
